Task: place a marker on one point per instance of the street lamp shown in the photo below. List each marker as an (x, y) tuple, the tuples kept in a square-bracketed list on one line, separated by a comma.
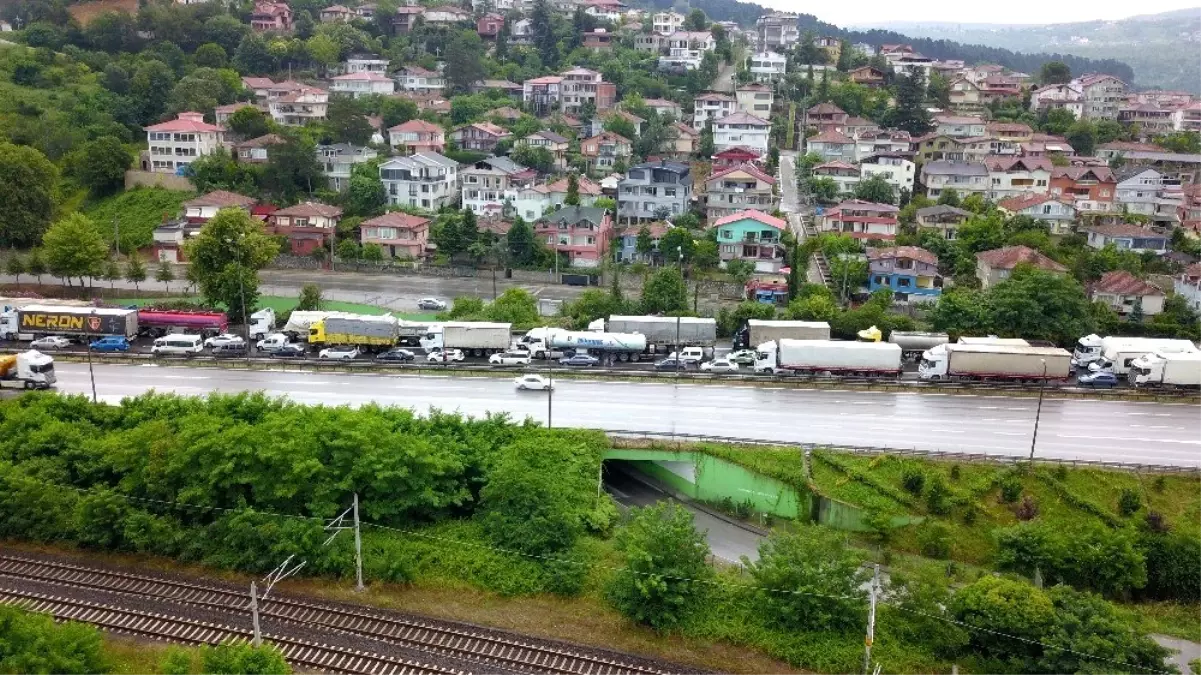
[(679, 352), (1038, 414), (91, 372)]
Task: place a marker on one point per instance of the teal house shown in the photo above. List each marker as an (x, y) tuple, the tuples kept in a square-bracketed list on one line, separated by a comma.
[(752, 235)]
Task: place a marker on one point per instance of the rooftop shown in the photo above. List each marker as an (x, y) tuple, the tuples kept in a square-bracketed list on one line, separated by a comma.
[(1011, 256), (755, 215), (311, 210), (1121, 282), (1124, 230), (397, 219), (908, 252), (220, 199)]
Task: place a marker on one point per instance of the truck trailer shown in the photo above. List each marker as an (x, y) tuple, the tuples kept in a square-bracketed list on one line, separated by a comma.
[(39, 320), (1181, 370), (664, 333), (1092, 348), (622, 346), (156, 323), (31, 369), (757, 331), (474, 338), (913, 343), (369, 333), (995, 362), (1117, 355), (833, 357)]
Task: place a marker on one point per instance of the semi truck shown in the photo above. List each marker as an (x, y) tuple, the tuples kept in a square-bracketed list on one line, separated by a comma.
[(369, 333), (663, 333), (156, 323), (31, 369), (555, 342), (1092, 347), (833, 357), (1001, 362), (473, 338), (39, 320), (1181, 370), (757, 331), (913, 343), (262, 323), (1118, 355)]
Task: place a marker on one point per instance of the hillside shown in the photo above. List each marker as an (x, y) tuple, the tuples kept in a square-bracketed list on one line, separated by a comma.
[(1161, 48)]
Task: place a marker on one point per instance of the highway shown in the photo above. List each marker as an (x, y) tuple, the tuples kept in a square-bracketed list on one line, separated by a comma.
[(1115, 431)]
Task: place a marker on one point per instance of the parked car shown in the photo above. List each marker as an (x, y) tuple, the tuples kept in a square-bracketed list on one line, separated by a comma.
[(288, 351), (444, 356), (230, 349), (340, 353), (579, 360), (431, 303), (510, 359), (224, 339), (111, 343), (1103, 378), (743, 357), (670, 363), (50, 342), (396, 354), (720, 366), (533, 382)]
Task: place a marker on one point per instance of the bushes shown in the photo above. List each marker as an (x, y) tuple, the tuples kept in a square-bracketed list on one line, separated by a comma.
[(818, 578), (934, 540), (1173, 567), (664, 568), (913, 479), (1092, 557), (33, 643), (1129, 502)]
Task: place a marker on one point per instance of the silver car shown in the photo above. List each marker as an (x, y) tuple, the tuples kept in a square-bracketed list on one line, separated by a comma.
[(50, 342)]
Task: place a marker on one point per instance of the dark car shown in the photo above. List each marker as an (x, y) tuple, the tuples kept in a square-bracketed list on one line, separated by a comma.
[(230, 349), (1103, 378), (671, 364), (579, 360), (396, 355), (290, 351)]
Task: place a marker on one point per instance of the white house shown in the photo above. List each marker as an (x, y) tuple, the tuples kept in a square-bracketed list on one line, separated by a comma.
[(960, 126), (768, 66), (420, 80), (362, 84), (1058, 212), (667, 22), (365, 63), (425, 180), (302, 106), (1188, 286), (176, 144), (1012, 176), (895, 169), (742, 130), (1123, 292), (711, 106)]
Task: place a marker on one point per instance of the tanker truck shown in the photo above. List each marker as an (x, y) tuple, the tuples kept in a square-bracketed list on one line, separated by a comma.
[(555, 342), (31, 369), (1001, 362), (829, 357), (156, 323), (757, 331)]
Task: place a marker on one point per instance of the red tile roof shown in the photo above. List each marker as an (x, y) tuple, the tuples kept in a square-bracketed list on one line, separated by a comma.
[(187, 121), (587, 186), (1005, 163), (755, 215), (836, 165), (417, 126), (748, 168), (826, 109), (1025, 201), (1009, 128), (908, 252), (398, 219), (311, 210), (220, 199), (262, 141), (1102, 174), (1011, 256), (831, 137), (1121, 282)]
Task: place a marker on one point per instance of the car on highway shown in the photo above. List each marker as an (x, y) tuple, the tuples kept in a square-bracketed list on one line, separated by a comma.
[(288, 351), (431, 304), (1103, 378), (583, 360), (339, 353), (690, 355), (50, 342), (510, 359), (720, 366), (224, 339), (395, 355), (743, 357), (670, 363), (533, 382), (445, 356), (110, 343), (230, 349)]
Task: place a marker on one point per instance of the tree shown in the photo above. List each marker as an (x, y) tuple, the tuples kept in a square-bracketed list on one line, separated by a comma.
[(15, 267), (1039, 305), (876, 189), (103, 164), (520, 243), (373, 252), (150, 88), (464, 62), (949, 197), (34, 643), (293, 170), (242, 658), (537, 158), (696, 21), (939, 91), (544, 37), (310, 298), (249, 122), (1082, 137), (1054, 72), (823, 576), (27, 187), (36, 264), (365, 195), (824, 189), (740, 271), (164, 274), (706, 146), (662, 579), (227, 254), (346, 123), (253, 57), (135, 271), (528, 501), (112, 272), (74, 248), (211, 55), (573, 190), (644, 245), (910, 112), (1057, 120), (665, 292), (516, 306), (675, 243), (394, 111)]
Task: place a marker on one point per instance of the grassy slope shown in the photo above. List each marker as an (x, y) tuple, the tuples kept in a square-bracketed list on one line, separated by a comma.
[(137, 212)]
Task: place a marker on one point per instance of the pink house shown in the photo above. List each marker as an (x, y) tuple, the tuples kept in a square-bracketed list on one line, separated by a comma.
[(400, 235), (271, 16), (581, 233), (417, 136)]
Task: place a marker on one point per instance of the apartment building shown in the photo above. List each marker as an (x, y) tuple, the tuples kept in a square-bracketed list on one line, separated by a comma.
[(362, 84), (738, 189), (542, 95), (425, 180), (300, 106), (605, 150), (1092, 189), (965, 178), (767, 66), (777, 30), (579, 233), (420, 80), (711, 106), (755, 99), (1103, 96), (337, 162), (1012, 176), (897, 170), (174, 145), (742, 130), (753, 236), (654, 190), (581, 86)]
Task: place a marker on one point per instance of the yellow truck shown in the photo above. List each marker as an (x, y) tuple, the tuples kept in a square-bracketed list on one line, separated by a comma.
[(369, 333)]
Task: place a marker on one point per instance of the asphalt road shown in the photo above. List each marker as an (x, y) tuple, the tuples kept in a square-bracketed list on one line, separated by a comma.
[(1121, 431)]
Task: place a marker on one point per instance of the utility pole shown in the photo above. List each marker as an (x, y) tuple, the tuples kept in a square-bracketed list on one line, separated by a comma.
[(679, 352), (91, 371), (1039, 413), (254, 614), (871, 622), (358, 547), (550, 394)]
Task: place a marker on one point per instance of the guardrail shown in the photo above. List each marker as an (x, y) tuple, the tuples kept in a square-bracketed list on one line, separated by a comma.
[(681, 438), (666, 377)]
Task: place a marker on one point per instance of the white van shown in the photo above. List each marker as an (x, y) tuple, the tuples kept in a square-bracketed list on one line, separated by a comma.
[(183, 345)]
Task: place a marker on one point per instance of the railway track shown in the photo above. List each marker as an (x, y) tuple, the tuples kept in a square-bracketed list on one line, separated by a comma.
[(454, 642), (140, 623)]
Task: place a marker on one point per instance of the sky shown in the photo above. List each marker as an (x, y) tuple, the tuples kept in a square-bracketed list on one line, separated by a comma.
[(865, 12)]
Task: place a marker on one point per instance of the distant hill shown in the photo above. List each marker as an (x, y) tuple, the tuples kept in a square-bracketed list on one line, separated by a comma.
[(1161, 48), (971, 51)]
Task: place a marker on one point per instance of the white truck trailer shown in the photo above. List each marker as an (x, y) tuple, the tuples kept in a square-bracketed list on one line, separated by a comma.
[(1181, 370), (828, 357), (1092, 348), (664, 333), (1119, 354), (995, 362), (758, 331), (474, 338)]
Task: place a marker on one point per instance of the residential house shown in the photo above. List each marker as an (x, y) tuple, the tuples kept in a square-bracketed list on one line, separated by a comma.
[(1057, 211), (858, 126), (777, 30), (654, 191), (484, 190), (754, 236), (531, 202), (1124, 293), (1058, 96), (1046, 147), (711, 106), (498, 6), (1091, 188), (844, 174), (685, 142), (337, 161), (336, 13), (275, 17), (609, 10), (604, 150), (895, 169), (997, 88), (832, 47), (1188, 286), (755, 99), (399, 234), (174, 145), (511, 88), (581, 86), (995, 266), (581, 233), (255, 150), (832, 146), (1187, 117), (911, 273), (362, 84), (738, 189), (1005, 138), (479, 136), (1127, 237), (981, 72), (959, 126), (862, 220), (742, 130), (1114, 149), (426, 180), (405, 17), (505, 114), (1147, 192), (626, 244), (307, 226), (305, 105), (201, 209), (365, 63), (222, 113), (1189, 211), (522, 32), (1012, 176), (735, 157), (867, 76), (905, 61), (365, 11), (965, 96), (417, 136), (555, 144), (768, 66), (259, 86), (965, 178), (542, 95), (1177, 168), (827, 117), (667, 22), (168, 239), (1103, 95), (945, 219), (883, 142), (489, 25), (420, 80), (598, 39), (936, 146), (446, 15), (684, 50), (665, 108), (518, 175)]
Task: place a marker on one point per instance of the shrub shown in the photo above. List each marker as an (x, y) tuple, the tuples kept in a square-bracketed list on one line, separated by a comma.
[(1160, 484), (971, 513), (954, 472), (1011, 488), (818, 563), (1061, 472), (1155, 522), (938, 497), (1129, 502), (1027, 510), (913, 479), (934, 540), (1173, 567), (1090, 557), (33, 643), (244, 659)]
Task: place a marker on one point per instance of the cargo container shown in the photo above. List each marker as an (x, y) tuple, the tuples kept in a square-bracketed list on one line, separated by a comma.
[(913, 343), (370, 333), (39, 320), (1119, 354), (1181, 370), (757, 331), (299, 322), (474, 338), (665, 333), (159, 322), (829, 357), (995, 362)]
